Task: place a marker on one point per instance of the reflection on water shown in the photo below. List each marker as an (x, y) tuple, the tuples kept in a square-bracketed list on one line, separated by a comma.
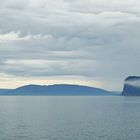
[(69, 118)]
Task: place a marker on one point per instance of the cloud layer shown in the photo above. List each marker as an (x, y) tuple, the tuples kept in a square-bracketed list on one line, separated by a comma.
[(64, 41)]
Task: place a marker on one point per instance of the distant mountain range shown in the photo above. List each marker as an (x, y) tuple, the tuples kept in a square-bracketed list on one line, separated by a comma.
[(59, 89), (131, 86)]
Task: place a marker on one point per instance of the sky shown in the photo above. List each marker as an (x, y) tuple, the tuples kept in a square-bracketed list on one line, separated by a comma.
[(86, 42)]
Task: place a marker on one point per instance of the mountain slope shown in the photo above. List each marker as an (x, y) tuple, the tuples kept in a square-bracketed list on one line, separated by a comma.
[(60, 89)]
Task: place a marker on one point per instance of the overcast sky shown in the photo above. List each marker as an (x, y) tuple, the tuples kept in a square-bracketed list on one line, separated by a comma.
[(87, 42)]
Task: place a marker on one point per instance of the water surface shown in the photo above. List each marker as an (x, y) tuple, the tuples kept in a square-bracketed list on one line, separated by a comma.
[(69, 118)]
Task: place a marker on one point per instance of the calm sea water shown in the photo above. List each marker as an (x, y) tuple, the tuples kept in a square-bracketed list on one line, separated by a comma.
[(69, 118)]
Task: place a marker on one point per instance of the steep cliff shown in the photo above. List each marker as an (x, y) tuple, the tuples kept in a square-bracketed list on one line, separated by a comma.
[(131, 86)]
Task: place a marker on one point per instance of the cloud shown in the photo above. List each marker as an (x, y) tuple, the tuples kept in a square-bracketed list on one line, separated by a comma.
[(15, 36), (88, 41)]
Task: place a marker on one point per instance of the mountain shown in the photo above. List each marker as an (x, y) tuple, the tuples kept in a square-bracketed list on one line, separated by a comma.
[(131, 86), (4, 91), (59, 89)]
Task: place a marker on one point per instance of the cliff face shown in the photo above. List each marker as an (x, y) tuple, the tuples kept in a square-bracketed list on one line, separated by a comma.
[(131, 86)]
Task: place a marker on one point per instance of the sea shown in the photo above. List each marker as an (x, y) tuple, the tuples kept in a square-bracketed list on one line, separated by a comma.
[(69, 118)]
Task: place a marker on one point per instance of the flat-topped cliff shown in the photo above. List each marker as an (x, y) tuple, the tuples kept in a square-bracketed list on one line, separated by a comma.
[(131, 86)]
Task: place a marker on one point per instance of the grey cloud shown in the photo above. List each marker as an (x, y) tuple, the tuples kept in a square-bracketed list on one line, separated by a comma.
[(93, 39)]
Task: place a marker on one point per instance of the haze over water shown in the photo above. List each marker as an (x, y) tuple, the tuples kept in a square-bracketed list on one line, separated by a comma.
[(69, 118)]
